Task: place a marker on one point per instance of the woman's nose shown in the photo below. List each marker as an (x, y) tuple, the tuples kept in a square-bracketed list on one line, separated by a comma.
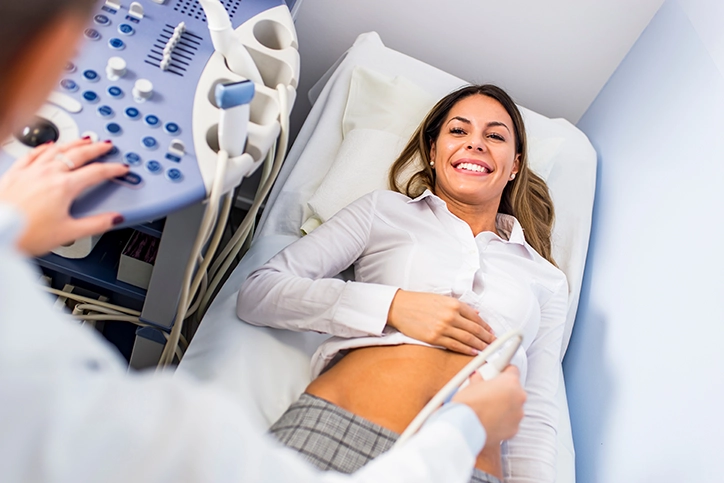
[(476, 146)]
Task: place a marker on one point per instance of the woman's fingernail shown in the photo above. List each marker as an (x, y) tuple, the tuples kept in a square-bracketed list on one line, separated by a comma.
[(108, 141), (118, 220), (85, 138), (49, 142)]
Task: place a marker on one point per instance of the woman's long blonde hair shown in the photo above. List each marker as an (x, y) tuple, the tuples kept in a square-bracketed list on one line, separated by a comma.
[(526, 197)]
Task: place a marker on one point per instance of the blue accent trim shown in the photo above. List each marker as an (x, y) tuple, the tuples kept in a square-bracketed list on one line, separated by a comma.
[(234, 94), (173, 157)]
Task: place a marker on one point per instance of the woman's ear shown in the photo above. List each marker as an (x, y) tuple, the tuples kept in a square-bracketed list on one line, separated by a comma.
[(516, 164), (30, 78), (432, 152)]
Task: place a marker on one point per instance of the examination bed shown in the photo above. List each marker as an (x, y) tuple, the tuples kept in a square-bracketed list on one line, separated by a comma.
[(361, 110)]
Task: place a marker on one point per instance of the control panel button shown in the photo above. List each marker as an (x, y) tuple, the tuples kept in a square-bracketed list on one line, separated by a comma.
[(173, 157), (105, 111), (90, 75), (113, 152), (160, 2), (113, 128), (136, 10), (149, 142), (126, 29), (132, 113), (115, 92), (69, 85), (151, 120), (114, 4), (65, 101), (90, 96), (70, 66), (116, 68), (174, 175), (177, 146), (92, 34), (154, 167), (142, 90), (171, 128), (116, 44), (130, 178), (132, 159), (101, 19)]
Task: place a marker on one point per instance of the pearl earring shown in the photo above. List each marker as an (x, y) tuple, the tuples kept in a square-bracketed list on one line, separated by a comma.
[(512, 176), (432, 163)]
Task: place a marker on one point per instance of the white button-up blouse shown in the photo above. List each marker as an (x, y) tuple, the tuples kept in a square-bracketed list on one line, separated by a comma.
[(395, 242)]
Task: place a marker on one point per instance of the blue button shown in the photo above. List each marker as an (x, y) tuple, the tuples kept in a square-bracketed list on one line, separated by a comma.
[(69, 85), (154, 167), (91, 34), (132, 113), (91, 75), (114, 150), (174, 175), (115, 91), (132, 19), (101, 19), (116, 44), (113, 128), (105, 111), (126, 29), (149, 142), (69, 67), (133, 159), (130, 178), (173, 157), (90, 96), (171, 128), (152, 120)]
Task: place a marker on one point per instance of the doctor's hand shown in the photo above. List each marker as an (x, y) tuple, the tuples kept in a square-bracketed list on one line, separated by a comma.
[(43, 185), (439, 320), (498, 403)]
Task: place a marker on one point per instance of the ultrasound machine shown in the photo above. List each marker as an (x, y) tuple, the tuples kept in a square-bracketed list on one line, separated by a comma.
[(195, 96)]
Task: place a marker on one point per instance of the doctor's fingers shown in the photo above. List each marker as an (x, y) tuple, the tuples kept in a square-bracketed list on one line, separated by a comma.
[(93, 174), (31, 157), (462, 341)]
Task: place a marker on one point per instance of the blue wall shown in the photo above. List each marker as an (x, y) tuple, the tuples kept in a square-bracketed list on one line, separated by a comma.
[(645, 370)]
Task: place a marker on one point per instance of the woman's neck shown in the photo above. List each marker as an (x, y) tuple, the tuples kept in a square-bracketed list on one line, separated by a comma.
[(479, 218)]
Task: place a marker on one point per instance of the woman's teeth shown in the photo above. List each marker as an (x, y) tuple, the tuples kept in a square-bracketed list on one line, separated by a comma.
[(473, 167)]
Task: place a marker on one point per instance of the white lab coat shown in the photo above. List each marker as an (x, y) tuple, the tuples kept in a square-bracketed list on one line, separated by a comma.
[(69, 411)]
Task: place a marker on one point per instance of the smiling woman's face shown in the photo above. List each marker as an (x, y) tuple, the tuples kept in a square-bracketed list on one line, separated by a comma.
[(474, 153)]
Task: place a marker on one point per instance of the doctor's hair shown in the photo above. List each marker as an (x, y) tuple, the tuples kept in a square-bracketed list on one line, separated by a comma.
[(526, 197), (22, 22)]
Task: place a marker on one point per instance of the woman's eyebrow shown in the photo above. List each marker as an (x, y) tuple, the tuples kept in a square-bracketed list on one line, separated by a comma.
[(490, 124)]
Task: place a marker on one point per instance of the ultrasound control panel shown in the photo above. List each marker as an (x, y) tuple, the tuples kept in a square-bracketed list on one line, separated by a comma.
[(143, 78)]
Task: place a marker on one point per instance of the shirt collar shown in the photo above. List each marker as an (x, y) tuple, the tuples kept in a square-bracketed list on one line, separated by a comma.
[(508, 226)]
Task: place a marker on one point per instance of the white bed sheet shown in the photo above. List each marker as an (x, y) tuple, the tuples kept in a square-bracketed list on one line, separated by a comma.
[(265, 369)]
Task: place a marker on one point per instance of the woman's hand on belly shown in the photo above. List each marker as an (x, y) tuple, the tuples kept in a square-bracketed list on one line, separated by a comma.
[(439, 320)]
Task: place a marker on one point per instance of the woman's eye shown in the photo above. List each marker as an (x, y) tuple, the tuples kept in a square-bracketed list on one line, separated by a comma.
[(496, 136), (457, 130)]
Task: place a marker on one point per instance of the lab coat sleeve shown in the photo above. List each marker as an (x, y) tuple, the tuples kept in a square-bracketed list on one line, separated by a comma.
[(295, 289), (530, 456)]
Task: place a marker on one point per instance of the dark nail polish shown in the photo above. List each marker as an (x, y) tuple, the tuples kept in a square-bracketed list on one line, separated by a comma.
[(49, 142), (118, 220), (108, 141), (85, 138)]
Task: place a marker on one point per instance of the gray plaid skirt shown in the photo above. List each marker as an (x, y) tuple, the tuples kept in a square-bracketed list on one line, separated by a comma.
[(332, 438)]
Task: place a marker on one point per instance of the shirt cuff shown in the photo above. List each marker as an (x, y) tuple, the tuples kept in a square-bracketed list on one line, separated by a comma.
[(363, 308), (465, 420)]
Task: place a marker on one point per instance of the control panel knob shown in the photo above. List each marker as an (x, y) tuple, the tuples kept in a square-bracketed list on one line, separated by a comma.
[(136, 10), (116, 68), (142, 90)]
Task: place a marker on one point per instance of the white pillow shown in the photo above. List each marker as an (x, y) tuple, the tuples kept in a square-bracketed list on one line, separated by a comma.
[(380, 116)]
